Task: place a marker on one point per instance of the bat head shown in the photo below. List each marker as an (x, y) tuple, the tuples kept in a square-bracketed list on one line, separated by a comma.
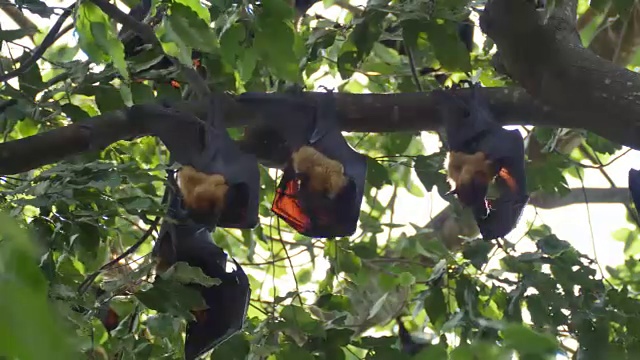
[(472, 194), (634, 187)]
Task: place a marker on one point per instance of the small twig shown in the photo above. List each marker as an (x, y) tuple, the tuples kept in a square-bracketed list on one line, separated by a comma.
[(89, 280), (51, 38)]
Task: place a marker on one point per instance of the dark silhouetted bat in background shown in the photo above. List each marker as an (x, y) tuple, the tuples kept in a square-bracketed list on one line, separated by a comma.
[(408, 344), (182, 240), (321, 190), (481, 151), (219, 183), (634, 187)]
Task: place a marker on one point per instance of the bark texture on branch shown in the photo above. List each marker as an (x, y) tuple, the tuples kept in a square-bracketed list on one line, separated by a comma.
[(358, 112), (551, 64)]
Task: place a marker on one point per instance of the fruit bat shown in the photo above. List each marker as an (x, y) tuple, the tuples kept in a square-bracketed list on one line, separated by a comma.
[(323, 182), (634, 187), (182, 240), (408, 344), (219, 183), (481, 151)]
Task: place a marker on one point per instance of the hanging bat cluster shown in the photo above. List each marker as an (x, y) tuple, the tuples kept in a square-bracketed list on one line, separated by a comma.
[(216, 186), (322, 186), (481, 152)]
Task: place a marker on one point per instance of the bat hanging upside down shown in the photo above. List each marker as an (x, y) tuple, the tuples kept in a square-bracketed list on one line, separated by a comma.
[(471, 175), (481, 152)]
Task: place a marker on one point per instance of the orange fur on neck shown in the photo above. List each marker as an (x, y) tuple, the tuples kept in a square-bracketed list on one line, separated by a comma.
[(200, 191), (324, 175), (463, 168)]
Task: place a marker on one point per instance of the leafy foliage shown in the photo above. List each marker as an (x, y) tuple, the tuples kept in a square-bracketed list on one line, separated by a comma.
[(312, 299)]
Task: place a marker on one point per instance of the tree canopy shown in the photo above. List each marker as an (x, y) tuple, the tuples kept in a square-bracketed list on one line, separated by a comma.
[(81, 181)]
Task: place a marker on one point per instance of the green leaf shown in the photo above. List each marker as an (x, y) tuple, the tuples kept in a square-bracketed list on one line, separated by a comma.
[(377, 174), (297, 318), (275, 42), (436, 306), (291, 351), (24, 306), (527, 341), (448, 48), (231, 44), (198, 8), (31, 81), (478, 253), (171, 297), (13, 35), (428, 170), (185, 274), (184, 27), (553, 246)]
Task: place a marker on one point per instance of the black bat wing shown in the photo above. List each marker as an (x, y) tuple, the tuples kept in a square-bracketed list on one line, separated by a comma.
[(184, 145), (314, 215), (209, 149), (222, 155), (506, 149), (289, 115), (465, 121), (408, 344), (634, 187), (228, 303)]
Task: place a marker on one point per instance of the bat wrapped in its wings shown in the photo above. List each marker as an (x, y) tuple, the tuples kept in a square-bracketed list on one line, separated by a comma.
[(218, 182), (182, 240), (481, 151), (634, 187), (323, 182)]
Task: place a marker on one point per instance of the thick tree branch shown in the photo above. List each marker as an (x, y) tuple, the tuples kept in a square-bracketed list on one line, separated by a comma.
[(358, 112), (558, 71)]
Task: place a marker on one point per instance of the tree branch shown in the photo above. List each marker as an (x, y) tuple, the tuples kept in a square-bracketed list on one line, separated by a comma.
[(558, 71), (358, 112)]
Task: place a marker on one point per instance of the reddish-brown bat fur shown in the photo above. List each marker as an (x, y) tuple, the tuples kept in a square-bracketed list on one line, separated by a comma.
[(325, 175), (200, 191), (463, 168)]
